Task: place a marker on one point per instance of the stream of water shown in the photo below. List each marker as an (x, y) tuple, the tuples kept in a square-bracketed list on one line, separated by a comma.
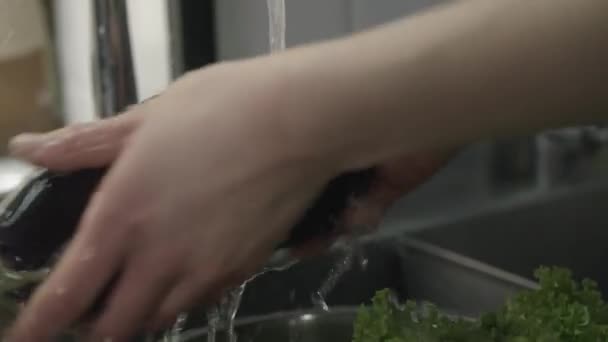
[(277, 27), (229, 305)]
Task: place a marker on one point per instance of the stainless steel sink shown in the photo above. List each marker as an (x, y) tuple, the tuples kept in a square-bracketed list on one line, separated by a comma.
[(568, 228), (466, 266), (412, 269)]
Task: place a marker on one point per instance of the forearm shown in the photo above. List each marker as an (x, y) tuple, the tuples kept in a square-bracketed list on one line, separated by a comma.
[(471, 70)]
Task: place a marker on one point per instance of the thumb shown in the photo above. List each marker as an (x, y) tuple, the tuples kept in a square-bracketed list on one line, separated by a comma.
[(84, 145)]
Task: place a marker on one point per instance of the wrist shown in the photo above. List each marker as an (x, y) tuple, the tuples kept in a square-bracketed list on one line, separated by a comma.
[(326, 112)]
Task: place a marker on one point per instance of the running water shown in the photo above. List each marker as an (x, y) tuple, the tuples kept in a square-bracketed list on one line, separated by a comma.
[(226, 313), (343, 265), (213, 320), (233, 301), (352, 252), (277, 24), (222, 315)]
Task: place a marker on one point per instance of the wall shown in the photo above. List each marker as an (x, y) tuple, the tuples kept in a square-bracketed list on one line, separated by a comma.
[(243, 24)]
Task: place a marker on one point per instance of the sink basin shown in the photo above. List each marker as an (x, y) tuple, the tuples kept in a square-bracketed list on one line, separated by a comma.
[(568, 228), (411, 268), (277, 306)]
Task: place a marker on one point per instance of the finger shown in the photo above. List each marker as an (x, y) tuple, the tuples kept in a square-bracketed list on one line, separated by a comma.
[(185, 295), (88, 264), (192, 290), (82, 145), (136, 297)]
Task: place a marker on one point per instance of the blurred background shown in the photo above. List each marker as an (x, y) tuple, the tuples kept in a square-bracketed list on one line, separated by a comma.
[(49, 78)]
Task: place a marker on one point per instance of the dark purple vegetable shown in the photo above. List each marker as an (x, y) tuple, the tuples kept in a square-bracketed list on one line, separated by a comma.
[(44, 214)]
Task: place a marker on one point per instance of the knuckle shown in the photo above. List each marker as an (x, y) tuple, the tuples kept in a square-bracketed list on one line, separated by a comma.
[(109, 218)]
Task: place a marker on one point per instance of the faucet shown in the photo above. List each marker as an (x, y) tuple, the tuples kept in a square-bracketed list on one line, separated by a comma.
[(114, 77), (109, 86), (113, 73)]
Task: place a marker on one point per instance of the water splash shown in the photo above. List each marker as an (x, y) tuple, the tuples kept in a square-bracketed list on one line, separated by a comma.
[(352, 254), (232, 307), (342, 266), (213, 320), (175, 333)]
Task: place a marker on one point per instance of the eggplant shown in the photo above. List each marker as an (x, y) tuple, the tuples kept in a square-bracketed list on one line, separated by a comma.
[(42, 215)]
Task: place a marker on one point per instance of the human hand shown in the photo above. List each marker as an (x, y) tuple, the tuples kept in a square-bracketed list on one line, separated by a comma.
[(143, 222), (204, 185), (97, 144)]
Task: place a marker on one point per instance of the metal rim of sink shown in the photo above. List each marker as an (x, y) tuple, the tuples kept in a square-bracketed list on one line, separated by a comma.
[(337, 314)]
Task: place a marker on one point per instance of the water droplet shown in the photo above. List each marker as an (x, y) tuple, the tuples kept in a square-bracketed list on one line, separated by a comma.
[(363, 263), (175, 333), (342, 266), (319, 301)]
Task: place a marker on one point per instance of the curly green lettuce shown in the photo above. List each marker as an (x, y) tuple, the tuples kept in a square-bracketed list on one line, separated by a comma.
[(561, 310)]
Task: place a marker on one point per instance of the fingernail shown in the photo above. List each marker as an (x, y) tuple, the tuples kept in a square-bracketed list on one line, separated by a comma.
[(26, 144)]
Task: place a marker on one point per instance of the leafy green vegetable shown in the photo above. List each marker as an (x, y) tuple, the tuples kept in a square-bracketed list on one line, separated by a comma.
[(561, 310)]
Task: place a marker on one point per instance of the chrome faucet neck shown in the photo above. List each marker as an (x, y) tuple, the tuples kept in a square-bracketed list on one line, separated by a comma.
[(115, 87)]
